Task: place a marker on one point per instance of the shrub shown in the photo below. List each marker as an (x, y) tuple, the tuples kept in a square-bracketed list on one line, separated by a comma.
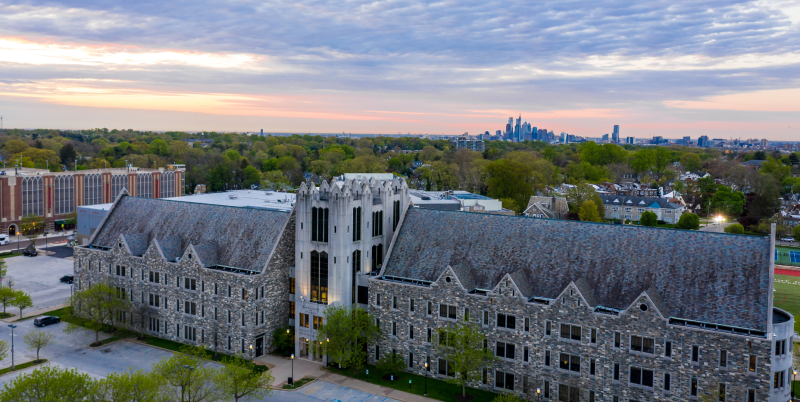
[(392, 363), (648, 218), (736, 228), (689, 221), (796, 232)]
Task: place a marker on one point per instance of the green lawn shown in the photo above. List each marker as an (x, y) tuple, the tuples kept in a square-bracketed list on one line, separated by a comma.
[(176, 347), (437, 389), (787, 296), (22, 366), (299, 383)]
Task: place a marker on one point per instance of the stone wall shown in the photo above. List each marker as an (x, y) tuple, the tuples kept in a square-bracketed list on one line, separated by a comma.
[(217, 292), (642, 319)]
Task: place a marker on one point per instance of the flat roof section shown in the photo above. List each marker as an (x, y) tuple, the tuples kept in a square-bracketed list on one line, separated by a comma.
[(265, 199)]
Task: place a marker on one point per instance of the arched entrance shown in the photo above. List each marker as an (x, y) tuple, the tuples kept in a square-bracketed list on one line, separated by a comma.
[(12, 230)]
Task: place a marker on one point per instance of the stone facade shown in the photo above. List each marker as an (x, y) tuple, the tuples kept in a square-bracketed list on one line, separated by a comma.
[(642, 318), (227, 310)]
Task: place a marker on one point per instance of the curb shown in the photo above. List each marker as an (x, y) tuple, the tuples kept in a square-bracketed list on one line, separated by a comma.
[(35, 365), (37, 312), (301, 387)]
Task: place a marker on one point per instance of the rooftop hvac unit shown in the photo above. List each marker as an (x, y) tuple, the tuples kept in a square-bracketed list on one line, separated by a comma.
[(233, 196)]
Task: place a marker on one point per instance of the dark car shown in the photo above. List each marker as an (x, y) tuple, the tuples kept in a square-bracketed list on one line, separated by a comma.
[(30, 253), (68, 279), (46, 320)]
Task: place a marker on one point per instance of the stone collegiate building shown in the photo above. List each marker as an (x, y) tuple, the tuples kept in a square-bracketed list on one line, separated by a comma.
[(579, 311)]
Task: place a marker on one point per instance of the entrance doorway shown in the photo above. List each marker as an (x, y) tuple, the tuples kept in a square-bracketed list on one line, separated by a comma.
[(259, 346), (12, 231), (303, 347)]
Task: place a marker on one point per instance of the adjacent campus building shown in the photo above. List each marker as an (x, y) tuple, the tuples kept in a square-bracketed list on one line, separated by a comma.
[(580, 311), (54, 196)]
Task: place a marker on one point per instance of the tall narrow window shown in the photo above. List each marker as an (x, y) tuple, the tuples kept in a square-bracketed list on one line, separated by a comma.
[(357, 224), (377, 223), (319, 224), (319, 276), (64, 191), (396, 215), (377, 256)]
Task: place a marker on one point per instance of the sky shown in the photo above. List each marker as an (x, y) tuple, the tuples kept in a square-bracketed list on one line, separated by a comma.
[(726, 69)]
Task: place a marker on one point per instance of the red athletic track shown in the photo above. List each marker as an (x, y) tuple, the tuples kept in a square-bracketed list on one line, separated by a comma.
[(789, 272)]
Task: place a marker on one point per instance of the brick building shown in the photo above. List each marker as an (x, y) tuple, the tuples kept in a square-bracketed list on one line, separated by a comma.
[(56, 195)]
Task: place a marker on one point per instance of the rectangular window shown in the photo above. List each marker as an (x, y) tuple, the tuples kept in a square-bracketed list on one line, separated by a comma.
[(570, 362), (527, 324), (190, 308), (319, 224), (319, 276), (377, 352), (695, 354), (617, 340), (591, 396), (668, 349), (571, 332), (291, 286), (593, 338), (190, 284), (547, 358), (546, 389), (378, 299), (547, 328), (640, 376), (525, 354), (616, 371), (643, 345), (377, 223), (394, 328), (430, 308), (780, 347), (723, 358), (430, 334), (394, 302), (445, 368), (410, 332), (485, 317), (667, 379), (505, 350), (446, 311), (567, 393), (357, 224), (693, 387), (503, 380), (410, 360), (592, 367), (752, 366), (751, 395), (411, 305), (722, 392), (506, 321), (466, 314)]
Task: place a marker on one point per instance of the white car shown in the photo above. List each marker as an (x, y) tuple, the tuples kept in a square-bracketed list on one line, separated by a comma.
[(3, 239), (789, 239)]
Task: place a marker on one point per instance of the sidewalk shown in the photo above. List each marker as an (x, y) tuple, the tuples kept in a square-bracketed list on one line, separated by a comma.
[(28, 314), (306, 368)]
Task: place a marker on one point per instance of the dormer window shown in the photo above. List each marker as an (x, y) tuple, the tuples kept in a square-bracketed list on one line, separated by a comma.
[(120, 245)]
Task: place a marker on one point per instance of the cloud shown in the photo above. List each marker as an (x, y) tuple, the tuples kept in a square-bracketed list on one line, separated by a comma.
[(778, 100)]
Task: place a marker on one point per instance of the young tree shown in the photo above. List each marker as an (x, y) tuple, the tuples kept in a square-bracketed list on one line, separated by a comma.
[(129, 386), (139, 314), (3, 271), (3, 349), (190, 381), (7, 295), (49, 383), (583, 192), (21, 301), (796, 232), (588, 212), (283, 339), (238, 381), (92, 304), (32, 226), (462, 346), (649, 218), (392, 363), (346, 331), (38, 340)]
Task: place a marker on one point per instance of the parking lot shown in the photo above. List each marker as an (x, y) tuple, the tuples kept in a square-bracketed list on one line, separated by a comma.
[(38, 276)]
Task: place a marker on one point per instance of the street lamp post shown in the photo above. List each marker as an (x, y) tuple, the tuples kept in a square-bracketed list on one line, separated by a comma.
[(17, 240), (426, 380), (188, 383), (291, 379), (539, 394), (794, 373), (12, 344), (45, 241)]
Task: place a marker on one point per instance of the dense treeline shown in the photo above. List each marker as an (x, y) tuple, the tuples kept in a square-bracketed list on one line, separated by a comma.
[(508, 171)]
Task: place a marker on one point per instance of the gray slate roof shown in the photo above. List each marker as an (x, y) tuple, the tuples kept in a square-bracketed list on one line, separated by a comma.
[(709, 277), (640, 202), (229, 236)]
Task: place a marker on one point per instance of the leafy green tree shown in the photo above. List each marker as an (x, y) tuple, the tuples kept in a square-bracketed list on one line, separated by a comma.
[(233, 155), (283, 339), (462, 345), (661, 159), (691, 162), (67, 154), (238, 380), (189, 379), (796, 232), (129, 386), (588, 212), (97, 305), (49, 384), (510, 179), (3, 349), (32, 226), (603, 154), (728, 202), (158, 147), (250, 176), (7, 295), (688, 221), (775, 169), (766, 202), (642, 161), (735, 228), (649, 218), (347, 330), (21, 301), (391, 363), (583, 192), (38, 340)]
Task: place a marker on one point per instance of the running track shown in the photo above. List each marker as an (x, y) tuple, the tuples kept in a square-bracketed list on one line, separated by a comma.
[(789, 272)]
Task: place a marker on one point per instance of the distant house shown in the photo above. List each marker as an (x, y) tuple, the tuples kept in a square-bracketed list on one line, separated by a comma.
[(638, 189), (631, 208), (790, 200), (753, 163), (546, 207)]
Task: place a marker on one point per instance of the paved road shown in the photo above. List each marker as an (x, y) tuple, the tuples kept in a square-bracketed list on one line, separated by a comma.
[(24, 242)]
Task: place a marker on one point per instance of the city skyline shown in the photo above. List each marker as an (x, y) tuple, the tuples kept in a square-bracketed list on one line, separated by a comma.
[(725, 71)]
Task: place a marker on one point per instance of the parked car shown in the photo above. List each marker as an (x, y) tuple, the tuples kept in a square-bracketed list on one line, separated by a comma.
[(789, 239), (46, 320), (68, 279), (30, 253), (3, 239)]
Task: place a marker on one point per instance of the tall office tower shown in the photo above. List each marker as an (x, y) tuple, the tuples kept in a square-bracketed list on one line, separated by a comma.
[(342, 234), (516, 129), (630, 140), (534, 134), (702, 141), (605, 137), (507, 134), (499, 134), (615, 136)]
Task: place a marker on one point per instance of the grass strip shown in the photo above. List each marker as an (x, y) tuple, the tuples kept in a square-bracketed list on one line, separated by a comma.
[(437, 389), (299, 383), (22, 366), (5, 315), (176, 347)]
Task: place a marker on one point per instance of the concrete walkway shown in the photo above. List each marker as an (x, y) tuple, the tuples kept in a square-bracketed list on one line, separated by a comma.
[(305, 368)]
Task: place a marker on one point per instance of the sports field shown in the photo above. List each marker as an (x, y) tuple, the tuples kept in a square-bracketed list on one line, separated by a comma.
[(787, 296)]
